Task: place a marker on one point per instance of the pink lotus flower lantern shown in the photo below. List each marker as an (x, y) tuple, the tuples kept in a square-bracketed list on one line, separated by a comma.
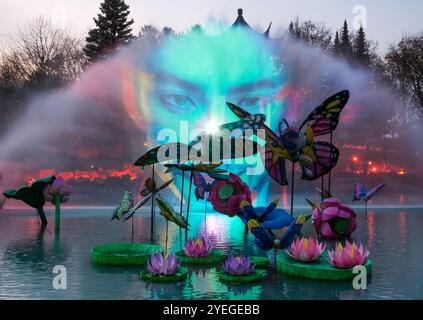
[(306, 249), (197, 248), (349, 256), (163, 265)]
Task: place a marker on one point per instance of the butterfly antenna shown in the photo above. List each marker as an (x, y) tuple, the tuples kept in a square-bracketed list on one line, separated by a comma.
[(280, 125)]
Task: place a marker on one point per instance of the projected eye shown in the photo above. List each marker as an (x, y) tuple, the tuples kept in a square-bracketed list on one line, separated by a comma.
[(177, 101), (252, 103)]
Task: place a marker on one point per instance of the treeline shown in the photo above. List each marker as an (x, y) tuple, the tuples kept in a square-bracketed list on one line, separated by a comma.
[(353, 47), (43, 56)]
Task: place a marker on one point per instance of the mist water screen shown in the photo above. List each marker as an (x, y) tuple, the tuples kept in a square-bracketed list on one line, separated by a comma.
[(191, 78)]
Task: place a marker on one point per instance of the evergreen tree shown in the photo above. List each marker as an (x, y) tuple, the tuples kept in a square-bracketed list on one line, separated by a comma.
[(291, 31), (112, 30), (361, 48), (196, 28), (346, 47), (336, 45), (168, 31)]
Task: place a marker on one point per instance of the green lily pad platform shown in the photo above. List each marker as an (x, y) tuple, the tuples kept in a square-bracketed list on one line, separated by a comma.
[(123, 254), (178, 276), (255, 276), (260, 262), (216, 256), (320, 269)]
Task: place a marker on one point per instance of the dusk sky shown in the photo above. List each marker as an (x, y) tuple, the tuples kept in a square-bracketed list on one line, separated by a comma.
[(387, 20)]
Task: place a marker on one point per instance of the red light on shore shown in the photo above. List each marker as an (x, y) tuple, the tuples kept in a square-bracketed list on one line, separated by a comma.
[(374, 169), (354, 158), (369, 163)]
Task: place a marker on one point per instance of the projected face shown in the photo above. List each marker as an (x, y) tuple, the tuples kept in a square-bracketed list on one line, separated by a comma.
[(193, 76)]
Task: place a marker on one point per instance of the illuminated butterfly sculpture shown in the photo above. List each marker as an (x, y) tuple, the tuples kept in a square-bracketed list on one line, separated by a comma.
[(261, 221), (316, 158), (211, 169), (148, 192), (202, 187), (181, 152), (125, 205), (167, 211), (202, 191), (362, 194)]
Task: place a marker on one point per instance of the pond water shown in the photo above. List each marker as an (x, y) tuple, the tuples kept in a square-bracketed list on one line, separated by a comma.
[(27, 257)]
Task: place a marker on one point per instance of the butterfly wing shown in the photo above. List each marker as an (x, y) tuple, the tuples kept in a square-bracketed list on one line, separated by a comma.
[(372, 192), (150, 184), (200, 185), (167, 151), (360, 192), (131, 212), (326, 158), (252, 122), (276, 170), (242, 114), (324, 118), (238, 111), (145, 192)]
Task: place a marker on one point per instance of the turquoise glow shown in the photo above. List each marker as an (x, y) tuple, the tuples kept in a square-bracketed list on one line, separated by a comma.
[(193, 76)]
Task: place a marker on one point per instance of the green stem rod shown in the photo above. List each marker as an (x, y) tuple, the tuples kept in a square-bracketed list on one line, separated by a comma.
[(57, 212)]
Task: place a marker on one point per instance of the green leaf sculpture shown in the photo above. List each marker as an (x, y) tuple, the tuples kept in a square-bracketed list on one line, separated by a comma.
[(33, 195)]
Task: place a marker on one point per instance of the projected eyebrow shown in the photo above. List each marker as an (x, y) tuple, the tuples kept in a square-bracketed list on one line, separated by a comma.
[(248, 87), (181, 83)]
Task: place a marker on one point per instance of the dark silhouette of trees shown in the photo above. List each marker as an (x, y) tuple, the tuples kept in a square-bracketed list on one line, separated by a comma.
[(149, 31), (196, 28), (112, 30), (336, 49), (168, 31), (345, 45), (404, 65), (41, 56), (314, 34), (361, 48)]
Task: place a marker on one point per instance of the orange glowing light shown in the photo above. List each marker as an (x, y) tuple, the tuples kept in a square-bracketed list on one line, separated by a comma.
[(355, 158), (401, 172), (374, 169), (93, 174)]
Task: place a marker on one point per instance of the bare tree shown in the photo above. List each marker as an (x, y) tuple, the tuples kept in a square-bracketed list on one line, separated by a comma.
[(314, 34), (404, 64), (42, 54)]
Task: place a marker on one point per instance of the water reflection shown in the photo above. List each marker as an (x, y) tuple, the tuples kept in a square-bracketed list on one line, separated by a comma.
[(370, 229), (28, 254), (35, 253), (402, 230)]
